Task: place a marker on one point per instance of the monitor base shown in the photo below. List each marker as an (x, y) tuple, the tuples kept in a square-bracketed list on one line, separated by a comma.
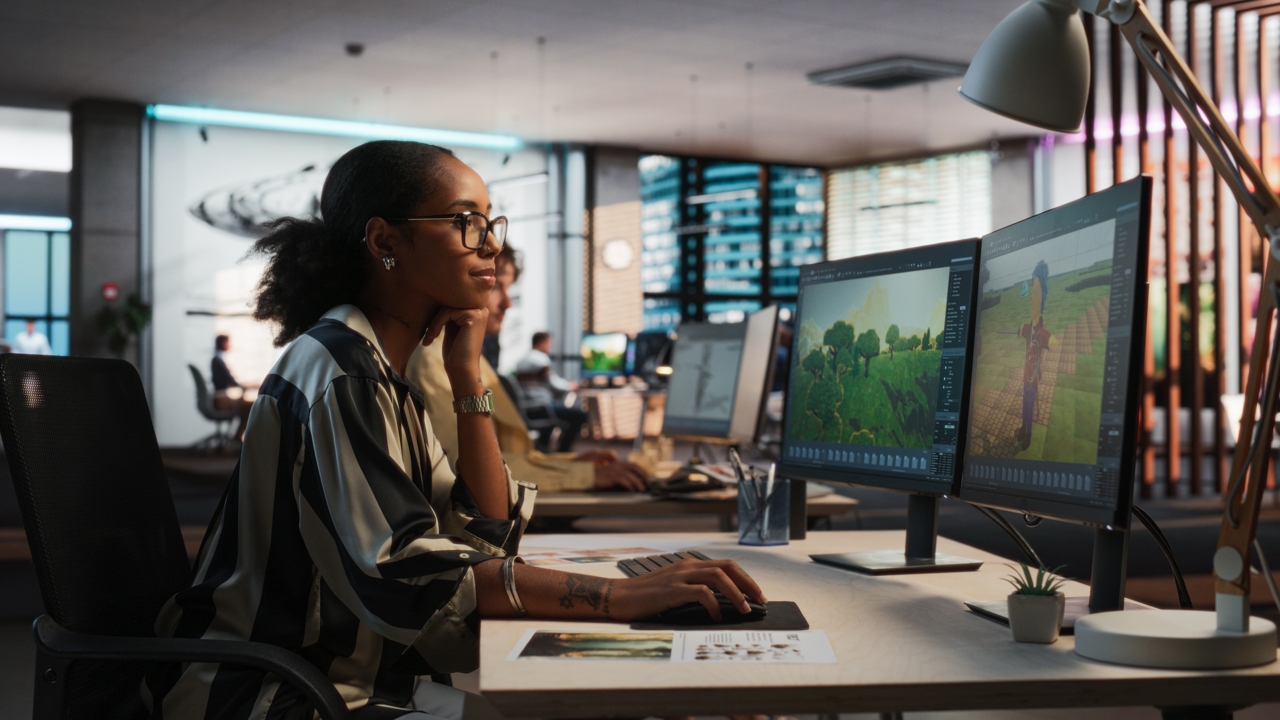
[(896, 562), (1177, 639)]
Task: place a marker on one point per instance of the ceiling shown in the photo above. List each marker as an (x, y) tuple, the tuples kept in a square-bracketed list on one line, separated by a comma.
[(617, 72)]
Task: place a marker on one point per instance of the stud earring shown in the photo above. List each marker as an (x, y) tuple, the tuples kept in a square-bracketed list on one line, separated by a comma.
[(388, 262)]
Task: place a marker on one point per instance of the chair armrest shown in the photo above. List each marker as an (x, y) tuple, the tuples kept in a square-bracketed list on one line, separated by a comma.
[(63, 643)]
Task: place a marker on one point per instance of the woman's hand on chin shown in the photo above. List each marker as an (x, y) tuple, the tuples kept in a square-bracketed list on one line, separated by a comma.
[(462, 332)]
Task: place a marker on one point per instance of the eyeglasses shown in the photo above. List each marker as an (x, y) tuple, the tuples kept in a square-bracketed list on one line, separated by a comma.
[(475, 227)]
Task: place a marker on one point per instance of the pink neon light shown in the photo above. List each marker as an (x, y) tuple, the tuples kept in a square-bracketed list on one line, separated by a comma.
[(1155, 120)]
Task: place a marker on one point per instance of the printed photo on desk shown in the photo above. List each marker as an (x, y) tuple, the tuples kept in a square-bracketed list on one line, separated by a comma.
[(806, 646), (552, 645)]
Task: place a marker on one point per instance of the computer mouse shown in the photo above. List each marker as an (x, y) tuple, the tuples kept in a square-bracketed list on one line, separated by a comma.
[(693, 614)]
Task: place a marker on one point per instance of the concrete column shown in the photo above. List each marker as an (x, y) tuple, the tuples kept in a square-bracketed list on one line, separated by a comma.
[(567, 203), (106, 213)]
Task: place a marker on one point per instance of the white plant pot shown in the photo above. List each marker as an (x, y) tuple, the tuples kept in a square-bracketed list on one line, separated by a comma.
[(1036, 618)]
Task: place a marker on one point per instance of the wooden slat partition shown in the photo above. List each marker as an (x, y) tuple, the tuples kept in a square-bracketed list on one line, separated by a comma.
[(1228, 59)]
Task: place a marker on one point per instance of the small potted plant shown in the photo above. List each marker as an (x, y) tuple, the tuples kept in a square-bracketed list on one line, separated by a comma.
[(1036, 605)]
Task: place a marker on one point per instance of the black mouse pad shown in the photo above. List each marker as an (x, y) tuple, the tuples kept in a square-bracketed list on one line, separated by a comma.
[(782, 615)]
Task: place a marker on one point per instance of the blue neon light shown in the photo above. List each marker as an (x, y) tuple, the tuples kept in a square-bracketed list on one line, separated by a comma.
[(321, 126), (35, 222)]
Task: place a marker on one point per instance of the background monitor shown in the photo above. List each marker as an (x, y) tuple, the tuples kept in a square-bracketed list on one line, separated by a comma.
[(1057, 357), (719, 372), (644, 353), (604, 355), (877, 388)]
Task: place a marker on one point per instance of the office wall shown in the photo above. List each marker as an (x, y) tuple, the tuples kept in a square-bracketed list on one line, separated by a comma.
[(210, 184)]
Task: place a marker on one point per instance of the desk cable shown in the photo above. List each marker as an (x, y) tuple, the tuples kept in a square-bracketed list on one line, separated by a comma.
[(1013, 534), (1184, 597), (1266, 573)]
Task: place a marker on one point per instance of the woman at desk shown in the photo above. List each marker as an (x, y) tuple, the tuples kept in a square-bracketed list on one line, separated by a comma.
[(343, 535)]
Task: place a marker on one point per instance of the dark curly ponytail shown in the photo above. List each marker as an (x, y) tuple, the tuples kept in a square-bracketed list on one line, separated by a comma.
[(317, 263)]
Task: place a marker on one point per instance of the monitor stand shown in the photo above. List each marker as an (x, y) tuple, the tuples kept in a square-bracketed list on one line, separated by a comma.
[(921, 555), (1106, 584)]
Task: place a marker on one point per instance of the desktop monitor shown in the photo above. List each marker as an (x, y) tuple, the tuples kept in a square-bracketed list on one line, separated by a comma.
[(644, 353), (719, 377), (604, 355), (877, 389), (1057, 362)]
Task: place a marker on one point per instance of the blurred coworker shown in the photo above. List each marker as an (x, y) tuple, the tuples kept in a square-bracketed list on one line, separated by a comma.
[(598, 469), (540, 357), (538, 382), (223, 381), (31, 341)]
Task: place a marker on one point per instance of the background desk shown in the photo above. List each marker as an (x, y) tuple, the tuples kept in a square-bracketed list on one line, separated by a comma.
[(582, 504), (903, 643)]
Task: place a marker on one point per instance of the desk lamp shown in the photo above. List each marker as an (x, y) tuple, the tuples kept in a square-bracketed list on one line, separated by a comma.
[(1034, 67)]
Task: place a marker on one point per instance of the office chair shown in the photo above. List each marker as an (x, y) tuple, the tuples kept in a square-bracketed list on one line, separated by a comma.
[(105, 541), (221, 440), (540, 419)]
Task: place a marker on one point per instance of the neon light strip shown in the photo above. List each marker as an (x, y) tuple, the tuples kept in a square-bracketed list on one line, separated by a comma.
[(1155, 120), (35, 222), (321, 126)]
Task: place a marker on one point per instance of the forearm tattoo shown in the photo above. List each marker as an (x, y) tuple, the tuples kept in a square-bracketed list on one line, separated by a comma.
[(593, 591)]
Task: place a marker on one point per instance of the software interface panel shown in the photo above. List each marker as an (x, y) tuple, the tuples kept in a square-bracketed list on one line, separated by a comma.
[(878, 379), (1052, 342)]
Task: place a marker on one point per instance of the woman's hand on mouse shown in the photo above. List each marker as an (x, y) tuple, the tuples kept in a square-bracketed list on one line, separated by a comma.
[(684, 582), (462, 332)]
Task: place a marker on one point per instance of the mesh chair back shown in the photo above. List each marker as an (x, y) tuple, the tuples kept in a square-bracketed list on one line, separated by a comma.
[(99, 517)]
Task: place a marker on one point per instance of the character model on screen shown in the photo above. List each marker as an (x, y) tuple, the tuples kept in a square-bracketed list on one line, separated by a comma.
[(1039, 339), (1037, 382)]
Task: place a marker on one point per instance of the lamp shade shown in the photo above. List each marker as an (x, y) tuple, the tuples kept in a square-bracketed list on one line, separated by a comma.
[(1034, 67)]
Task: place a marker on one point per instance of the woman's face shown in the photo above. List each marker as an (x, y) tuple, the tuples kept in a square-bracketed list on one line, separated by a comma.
[(431, 261)]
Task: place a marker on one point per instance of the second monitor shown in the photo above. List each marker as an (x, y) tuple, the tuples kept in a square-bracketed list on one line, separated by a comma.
[(876, 395)]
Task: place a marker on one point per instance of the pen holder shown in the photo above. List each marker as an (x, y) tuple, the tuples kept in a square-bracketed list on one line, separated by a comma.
[(764, 519)]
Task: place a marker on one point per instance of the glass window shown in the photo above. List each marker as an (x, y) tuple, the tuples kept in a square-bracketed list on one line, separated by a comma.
[(37, 286), (724, 238), (908, 204)]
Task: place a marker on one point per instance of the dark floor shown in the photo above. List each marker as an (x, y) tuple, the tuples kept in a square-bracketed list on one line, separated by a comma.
[(1191, 526)]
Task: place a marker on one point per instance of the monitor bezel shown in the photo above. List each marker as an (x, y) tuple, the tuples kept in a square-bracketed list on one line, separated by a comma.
[(589, 374), (1070, 512), (872, 479)]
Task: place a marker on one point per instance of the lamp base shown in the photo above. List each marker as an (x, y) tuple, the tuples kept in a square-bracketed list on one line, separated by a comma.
[(1176, 639)]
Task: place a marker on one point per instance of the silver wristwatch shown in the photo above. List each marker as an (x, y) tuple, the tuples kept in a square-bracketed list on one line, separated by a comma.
[(474, 403)]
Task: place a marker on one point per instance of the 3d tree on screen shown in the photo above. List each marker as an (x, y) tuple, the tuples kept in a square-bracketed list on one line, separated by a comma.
[(913, 343), (890, 337), (815, 362), (925, 345), (839, 337), (868, 347)]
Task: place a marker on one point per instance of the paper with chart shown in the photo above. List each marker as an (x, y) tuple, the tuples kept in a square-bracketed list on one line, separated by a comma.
[(704, 387), (771, 646)]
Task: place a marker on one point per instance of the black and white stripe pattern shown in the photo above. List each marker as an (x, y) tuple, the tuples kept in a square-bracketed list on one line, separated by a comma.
[(343, 536)]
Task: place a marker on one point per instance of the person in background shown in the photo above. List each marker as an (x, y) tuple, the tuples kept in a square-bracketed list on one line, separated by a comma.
[(225, 386), (31, 341), (599, 469), (539, 356), (541, 386)]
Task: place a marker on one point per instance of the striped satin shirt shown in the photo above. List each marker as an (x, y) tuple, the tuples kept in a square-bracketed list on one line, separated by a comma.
[(343, 536)]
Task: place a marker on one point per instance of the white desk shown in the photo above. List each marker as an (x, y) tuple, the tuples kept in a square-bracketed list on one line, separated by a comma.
[(903, 643)]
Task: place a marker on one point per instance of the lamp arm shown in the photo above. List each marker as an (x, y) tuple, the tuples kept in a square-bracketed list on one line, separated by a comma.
[(1229, 158)]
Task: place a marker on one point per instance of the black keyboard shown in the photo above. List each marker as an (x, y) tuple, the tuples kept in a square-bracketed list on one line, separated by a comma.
[(632, 567)]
